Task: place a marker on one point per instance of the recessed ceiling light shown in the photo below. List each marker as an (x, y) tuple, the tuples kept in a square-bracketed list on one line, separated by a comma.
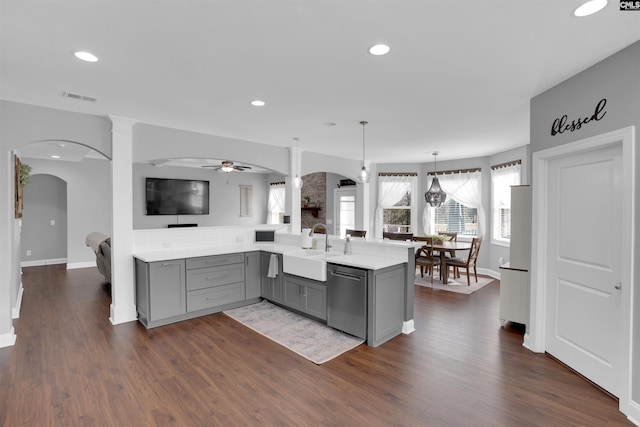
[(379, 49), (85, 56), (589, 8), (257, 103), (55, 156)]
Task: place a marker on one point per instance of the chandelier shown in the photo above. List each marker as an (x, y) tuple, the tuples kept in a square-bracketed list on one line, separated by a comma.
[(435, 196)]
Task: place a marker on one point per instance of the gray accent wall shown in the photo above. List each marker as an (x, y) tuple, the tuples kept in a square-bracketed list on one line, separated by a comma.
[(44, 220), (224, 196), (616, 79)]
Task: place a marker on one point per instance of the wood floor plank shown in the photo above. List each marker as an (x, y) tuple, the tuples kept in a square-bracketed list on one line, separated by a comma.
[(71, 367)]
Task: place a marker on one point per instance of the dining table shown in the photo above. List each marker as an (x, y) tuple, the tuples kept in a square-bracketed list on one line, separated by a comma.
[(448, 247)]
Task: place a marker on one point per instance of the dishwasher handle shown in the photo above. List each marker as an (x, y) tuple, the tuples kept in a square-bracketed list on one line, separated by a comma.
[(346, 275)]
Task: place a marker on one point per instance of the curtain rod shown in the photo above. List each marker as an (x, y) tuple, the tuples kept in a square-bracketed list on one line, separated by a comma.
[(455, 171), (278, 183), (398, 174), (507, 164)]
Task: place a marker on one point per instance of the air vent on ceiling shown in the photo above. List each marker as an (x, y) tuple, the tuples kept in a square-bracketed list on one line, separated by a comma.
[(79, 97)]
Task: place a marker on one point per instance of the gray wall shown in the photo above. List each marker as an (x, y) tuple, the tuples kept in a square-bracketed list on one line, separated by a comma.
[(224, 196), (45, 201), (616, 79)]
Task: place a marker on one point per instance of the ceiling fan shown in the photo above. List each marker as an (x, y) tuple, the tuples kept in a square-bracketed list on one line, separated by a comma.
[(227, 166)]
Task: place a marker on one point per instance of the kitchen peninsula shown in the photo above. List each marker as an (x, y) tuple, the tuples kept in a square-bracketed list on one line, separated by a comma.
[(187, 273)]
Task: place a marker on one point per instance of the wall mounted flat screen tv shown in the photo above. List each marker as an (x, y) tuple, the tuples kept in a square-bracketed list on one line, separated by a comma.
[(167, 196)]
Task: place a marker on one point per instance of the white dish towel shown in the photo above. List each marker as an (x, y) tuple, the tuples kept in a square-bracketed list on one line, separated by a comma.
[(273, 266)]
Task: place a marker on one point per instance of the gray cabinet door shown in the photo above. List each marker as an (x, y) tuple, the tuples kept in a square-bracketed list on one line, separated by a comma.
[(167, 289), (305, 295), (271, 286), (316, 300), (293, 293), (252, 274)]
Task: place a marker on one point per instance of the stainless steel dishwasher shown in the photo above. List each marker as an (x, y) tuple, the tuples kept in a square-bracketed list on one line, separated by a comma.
[(347, 299)]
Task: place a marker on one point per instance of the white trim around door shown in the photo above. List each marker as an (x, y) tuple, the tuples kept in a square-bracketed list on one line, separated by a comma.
[(535, 338)]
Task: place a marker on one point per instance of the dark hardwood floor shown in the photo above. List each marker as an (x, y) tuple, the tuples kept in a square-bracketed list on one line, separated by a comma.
[(71, 367)]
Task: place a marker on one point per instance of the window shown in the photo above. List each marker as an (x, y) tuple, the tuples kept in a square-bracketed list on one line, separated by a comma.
[(246, 200), (276, 202), (502, 178), (462, 212), (396, 211), (453, 217)]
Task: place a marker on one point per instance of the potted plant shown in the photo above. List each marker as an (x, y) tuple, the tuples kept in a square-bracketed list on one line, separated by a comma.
[(438, 238), (306, 200), (25, 171)]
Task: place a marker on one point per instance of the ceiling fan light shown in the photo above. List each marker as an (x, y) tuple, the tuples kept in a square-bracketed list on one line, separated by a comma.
[(226, 168)]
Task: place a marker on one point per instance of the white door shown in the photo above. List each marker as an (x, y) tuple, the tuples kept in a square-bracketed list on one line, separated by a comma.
[(344, 200), (584, 249)]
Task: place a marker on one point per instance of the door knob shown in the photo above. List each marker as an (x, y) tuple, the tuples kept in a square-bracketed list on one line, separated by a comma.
[(618, 285)]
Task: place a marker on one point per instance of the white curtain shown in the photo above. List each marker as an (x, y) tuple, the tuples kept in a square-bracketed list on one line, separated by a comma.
[(465, 189), (276, 203), (502, 179), (391, 189)]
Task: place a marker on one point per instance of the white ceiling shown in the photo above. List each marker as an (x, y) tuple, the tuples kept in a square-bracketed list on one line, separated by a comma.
[(458, 79)]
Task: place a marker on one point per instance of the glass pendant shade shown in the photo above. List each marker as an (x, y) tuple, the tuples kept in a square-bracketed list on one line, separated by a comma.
[(297, 181), (435, 196), (364, 176)]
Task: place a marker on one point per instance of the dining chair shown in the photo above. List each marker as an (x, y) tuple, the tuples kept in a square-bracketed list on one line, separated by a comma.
[(397, 236), (469, 262), (356, 233), (451, 237), (425, 257)]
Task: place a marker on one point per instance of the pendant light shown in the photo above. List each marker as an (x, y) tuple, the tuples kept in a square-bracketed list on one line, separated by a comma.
[(435, 196), (297, 181), (363, 176)]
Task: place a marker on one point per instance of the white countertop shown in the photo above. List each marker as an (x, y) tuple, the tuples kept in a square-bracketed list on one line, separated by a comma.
[(366, 261)]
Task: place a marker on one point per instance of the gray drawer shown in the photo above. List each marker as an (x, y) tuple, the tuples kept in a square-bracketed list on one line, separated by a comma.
[(212, 261), (213, 297), (214, 276)]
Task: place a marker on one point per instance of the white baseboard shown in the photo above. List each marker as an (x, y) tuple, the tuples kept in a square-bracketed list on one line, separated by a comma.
[(15, 311), (85, 264), (408, 327), (489, 272), (43, 262), (634, 413), (8, 339)]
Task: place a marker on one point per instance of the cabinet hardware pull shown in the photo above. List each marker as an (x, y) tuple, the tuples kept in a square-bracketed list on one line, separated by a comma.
[(218, 296), (216, 277), (345, 275)]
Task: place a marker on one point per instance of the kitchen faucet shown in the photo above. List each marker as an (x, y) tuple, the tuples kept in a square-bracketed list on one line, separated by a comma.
[(326, 235)]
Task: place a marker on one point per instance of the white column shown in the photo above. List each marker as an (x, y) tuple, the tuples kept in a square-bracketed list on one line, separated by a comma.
[(367, 220), (296, 214), (7, 334), (123, 307)]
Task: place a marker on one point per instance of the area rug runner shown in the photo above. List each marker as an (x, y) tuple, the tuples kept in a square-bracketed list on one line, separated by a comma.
[(310, 339), (458, 285)]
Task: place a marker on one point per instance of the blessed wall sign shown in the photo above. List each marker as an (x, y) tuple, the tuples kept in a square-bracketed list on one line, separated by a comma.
[(561, 125)]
